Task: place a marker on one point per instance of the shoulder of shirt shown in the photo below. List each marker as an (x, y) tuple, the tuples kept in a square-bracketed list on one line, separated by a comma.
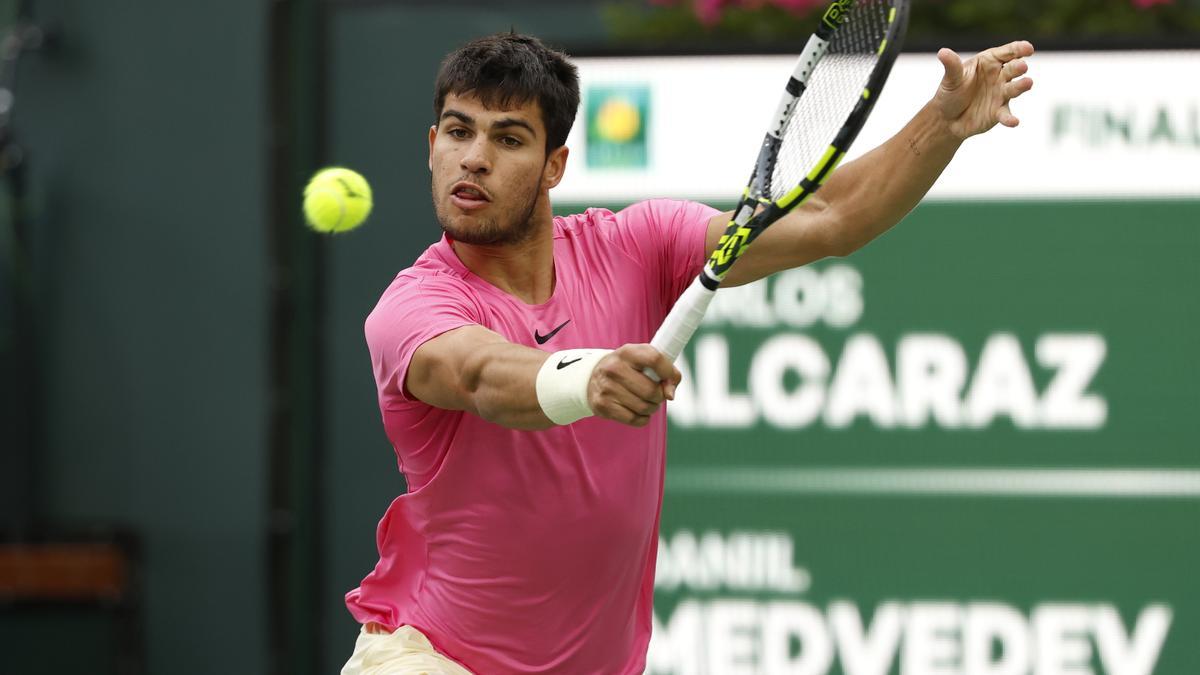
[(593, 219), (428, 281), (431, 269), (583, 223)]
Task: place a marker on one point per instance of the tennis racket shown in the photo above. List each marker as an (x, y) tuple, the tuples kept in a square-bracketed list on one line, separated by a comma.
[(826, 101)]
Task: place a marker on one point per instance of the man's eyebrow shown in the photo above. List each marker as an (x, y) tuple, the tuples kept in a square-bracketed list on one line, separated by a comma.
[(498, 124), (514, 122), (461, 116)]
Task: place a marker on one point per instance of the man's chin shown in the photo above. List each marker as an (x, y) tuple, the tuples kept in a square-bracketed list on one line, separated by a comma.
[(475, 228), (470, 230)]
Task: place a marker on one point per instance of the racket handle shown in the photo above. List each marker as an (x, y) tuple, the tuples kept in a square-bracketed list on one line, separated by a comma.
[(681, 323)]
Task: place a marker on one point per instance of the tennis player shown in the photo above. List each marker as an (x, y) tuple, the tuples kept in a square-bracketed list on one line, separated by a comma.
[(509, 362)]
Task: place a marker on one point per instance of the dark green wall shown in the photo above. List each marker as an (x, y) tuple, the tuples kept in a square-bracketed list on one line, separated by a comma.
[(147, 138)]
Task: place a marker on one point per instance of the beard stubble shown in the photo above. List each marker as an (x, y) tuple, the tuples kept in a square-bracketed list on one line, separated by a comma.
[(512, 227)]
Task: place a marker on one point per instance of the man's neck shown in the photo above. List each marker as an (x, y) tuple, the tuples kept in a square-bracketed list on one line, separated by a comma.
[(524, 271)]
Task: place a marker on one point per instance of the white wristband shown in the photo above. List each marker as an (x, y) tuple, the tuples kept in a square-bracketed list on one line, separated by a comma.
[(562, 384)]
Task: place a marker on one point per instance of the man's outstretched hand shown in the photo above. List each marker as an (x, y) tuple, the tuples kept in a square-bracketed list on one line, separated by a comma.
[(974, 94)]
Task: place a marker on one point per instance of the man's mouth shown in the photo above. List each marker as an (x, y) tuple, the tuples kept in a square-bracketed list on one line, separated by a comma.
[(468, 196)]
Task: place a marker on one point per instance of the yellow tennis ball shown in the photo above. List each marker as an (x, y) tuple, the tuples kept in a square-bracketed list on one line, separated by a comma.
[(336, 200)]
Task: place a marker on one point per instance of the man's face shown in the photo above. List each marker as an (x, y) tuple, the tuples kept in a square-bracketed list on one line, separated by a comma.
[(490, 169)]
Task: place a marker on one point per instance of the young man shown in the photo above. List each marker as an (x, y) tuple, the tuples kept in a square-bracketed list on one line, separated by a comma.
[(509, 361)]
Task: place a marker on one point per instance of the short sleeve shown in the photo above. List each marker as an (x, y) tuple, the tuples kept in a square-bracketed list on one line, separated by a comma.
[(666, 235), (410, 313)]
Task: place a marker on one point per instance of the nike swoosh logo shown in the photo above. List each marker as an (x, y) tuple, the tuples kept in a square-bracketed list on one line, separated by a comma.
[(564, 364), (542, 339)]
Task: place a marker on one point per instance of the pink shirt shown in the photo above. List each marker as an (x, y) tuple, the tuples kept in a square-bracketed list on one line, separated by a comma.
[(529, 551)]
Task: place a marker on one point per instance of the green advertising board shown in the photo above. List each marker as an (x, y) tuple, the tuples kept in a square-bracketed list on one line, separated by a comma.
[(970, 448)]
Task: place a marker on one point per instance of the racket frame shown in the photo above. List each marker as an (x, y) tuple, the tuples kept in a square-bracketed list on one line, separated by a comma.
[(754, 213)]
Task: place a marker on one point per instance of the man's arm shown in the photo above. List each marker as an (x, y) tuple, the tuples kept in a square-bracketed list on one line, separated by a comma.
[(866, 197), (476, 370)]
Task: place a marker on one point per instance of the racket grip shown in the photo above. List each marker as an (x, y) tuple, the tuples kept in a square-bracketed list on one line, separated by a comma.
[(681, 323)]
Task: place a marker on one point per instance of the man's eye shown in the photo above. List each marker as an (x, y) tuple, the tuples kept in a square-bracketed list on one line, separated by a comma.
[(511, 141), (458, 132)]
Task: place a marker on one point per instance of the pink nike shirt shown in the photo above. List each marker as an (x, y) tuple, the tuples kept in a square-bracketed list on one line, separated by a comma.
[(529, 551)]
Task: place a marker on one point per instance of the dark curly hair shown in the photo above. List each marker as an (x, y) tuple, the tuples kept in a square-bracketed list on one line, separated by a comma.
[(510, 69)]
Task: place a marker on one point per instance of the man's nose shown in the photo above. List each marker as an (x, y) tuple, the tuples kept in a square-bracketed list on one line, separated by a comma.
[(476, 159)]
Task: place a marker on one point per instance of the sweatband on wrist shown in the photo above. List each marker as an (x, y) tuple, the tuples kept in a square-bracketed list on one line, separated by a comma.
[(562, 384)]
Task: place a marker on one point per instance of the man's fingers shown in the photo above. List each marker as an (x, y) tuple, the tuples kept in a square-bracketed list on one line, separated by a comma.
[(1010, 51), (634, 403), (953, 65), (644, 356), (634, 381), (1015, 89), (627, 376), (1006, 117), (639, 421), (1014, 69), (619, 413), (662, 366)]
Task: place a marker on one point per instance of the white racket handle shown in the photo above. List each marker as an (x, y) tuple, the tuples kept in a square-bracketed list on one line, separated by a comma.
[(681, 323)]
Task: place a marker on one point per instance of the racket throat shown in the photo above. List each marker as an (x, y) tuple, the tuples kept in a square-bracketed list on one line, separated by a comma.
[(738, 234), (814, 51)]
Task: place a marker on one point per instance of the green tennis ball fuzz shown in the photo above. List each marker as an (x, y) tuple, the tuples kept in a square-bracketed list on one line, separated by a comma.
[(336, 200)]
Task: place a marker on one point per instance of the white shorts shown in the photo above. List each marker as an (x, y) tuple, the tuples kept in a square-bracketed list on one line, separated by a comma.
[(404, 652)]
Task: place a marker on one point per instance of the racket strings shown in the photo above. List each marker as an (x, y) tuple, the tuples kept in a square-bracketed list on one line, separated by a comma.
[(833, 90)]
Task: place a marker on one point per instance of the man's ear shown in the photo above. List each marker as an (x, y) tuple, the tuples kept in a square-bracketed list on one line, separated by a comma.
[(432, 138), (556, 166)]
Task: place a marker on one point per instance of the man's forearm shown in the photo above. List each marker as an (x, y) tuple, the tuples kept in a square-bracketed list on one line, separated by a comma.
[(498, 381), (875, 191), (475, 370)]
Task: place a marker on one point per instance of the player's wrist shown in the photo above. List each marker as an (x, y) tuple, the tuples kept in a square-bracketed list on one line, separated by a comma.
[(562, 384)]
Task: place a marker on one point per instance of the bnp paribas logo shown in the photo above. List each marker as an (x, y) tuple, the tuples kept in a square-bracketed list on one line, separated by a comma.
[(617, 121)]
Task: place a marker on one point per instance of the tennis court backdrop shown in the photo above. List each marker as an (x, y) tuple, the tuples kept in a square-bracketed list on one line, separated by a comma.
[(970, 447)]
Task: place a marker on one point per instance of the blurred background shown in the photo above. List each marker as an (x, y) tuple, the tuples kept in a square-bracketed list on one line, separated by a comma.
[(970, 448)]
